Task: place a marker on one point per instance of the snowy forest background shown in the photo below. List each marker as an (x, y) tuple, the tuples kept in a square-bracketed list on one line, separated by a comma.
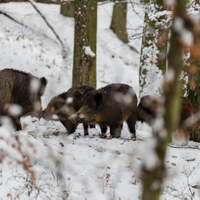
[(42, 161)]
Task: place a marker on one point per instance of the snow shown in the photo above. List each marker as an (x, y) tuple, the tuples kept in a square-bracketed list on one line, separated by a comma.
[(35, 85), (178, 24), (80, 167), (88, 51), (15, 110)]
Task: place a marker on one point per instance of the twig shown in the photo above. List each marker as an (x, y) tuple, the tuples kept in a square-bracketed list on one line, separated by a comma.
[(184, 147), (135, 11), (47, 23), (3, 13)]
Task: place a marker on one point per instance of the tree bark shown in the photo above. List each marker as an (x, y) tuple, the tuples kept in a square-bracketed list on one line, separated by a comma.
[(84, 66), (93, 39), (118, 23), (153, 49)]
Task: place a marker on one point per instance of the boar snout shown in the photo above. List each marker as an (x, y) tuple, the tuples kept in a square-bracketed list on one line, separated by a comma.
[(37, 114), (77, 118), (46, 115)]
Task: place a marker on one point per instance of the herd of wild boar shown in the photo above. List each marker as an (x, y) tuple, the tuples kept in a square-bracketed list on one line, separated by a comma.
[(108, 106)]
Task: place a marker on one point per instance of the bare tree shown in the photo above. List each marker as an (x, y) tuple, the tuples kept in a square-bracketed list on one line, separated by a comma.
[(93, 39), (154, 47), (84, 66), (118, 23)]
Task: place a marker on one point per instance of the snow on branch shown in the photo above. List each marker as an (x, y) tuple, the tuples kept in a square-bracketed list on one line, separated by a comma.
[(88, 51)]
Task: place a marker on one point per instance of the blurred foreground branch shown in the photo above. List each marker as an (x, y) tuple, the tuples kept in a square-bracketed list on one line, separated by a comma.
[(154, 173)]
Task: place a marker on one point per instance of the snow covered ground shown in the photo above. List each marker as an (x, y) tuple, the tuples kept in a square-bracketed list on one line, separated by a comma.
[(78, 167)]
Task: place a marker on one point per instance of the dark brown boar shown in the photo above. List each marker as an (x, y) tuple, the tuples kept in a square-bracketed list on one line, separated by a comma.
[(151, 107), (109, 106), (148, 108), (23, 89), (66, 104)]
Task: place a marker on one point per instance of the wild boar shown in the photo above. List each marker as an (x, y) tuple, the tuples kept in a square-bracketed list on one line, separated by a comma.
[(150, 107), (23, 90), (109, 106), (66, 104)]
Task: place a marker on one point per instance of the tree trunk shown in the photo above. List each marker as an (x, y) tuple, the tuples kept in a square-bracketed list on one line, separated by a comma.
[(153, 49), (93, 39), (153, 177), (118, 23), (84, 66), (67, 9)]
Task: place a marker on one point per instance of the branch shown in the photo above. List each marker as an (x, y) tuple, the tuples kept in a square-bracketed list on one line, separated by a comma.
[(47, 23), (183, 147), (37, 1), (138, 14), (3, 13)]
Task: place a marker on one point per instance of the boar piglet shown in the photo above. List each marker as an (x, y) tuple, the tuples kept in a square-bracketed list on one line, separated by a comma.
[(109, 106), (66, 104), (20, 95), (150, 108)]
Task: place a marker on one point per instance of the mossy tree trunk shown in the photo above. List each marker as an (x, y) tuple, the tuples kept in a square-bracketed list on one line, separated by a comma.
[(153, 176), (84, 65), (153, 49), (92, 28), (118, 23)]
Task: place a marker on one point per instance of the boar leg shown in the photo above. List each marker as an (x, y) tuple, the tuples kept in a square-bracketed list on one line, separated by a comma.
[(69, 125), (16, 123), (92, 126), (115, 130), (85, 126), (131, 125), (103, 131)]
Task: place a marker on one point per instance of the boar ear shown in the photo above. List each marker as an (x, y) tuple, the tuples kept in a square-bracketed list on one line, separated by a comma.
[(59, 103), (98, 98), (43, 82)]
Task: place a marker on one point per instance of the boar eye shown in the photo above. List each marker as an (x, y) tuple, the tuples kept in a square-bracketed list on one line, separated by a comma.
[(52, 109)]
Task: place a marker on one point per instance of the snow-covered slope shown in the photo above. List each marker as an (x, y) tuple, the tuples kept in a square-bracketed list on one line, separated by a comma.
[(75, 166)]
